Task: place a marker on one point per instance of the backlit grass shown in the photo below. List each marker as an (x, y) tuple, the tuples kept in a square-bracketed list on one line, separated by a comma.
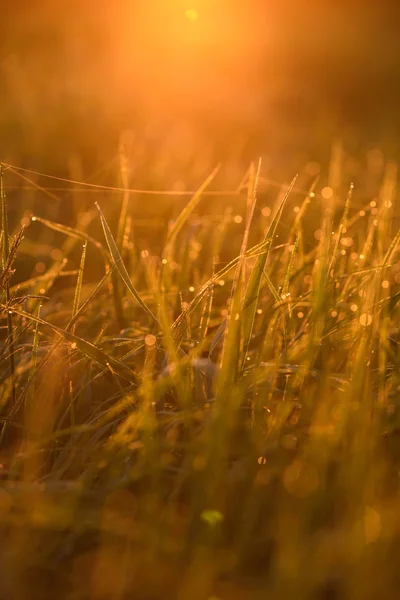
[(214, 418)]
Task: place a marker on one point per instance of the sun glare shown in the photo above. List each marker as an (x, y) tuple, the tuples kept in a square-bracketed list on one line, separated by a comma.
[(192, 14)]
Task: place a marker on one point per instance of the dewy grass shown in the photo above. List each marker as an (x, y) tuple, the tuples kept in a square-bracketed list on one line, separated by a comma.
[(238, 438)]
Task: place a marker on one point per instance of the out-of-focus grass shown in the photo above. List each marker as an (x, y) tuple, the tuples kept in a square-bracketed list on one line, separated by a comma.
[(238, 438)]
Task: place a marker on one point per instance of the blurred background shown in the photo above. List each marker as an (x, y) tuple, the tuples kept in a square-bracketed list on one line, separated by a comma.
[(193, 82)]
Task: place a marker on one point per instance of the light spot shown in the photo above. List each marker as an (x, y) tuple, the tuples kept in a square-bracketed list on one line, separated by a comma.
[(388, 204), (385, 284), (354, 308), (73, 346), (150, 340), (362, 256), (221, 282), (144, 253), (262, 460), (327, 193), (372, 203), (347, 241), (192, 14), (212, 517), (259, 311), (238, 218), (365, 319), (191, 289), (296, 209), (266, 211), (334, 314), (40, 267), (56, 254), (312, 194), (33, 218), (362, 213), (164, 261), (300, 315)]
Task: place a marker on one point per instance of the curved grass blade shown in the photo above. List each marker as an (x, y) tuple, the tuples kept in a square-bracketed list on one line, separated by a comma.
[(85, 347), (69, 231), (119, 264)]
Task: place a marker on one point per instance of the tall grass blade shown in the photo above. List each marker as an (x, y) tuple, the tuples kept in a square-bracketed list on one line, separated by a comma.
[(119, 264), (78, 288), (254, 285), (86, 348)]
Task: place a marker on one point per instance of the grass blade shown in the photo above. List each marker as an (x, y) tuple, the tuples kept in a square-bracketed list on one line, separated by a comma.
[(87, 348), (69, 231), (254, 285), (119, 264), (78, 288)]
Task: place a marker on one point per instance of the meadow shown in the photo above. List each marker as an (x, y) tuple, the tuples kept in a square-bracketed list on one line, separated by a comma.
[(200, 397)]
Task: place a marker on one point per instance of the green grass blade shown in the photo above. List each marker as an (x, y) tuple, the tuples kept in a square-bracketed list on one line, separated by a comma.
[(251, 253), (86, 348), (342, 225), (78, 288), (254, 285), (119, 264)]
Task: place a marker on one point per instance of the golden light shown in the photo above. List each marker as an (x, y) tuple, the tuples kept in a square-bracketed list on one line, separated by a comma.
[(192, 14), (181, 61)]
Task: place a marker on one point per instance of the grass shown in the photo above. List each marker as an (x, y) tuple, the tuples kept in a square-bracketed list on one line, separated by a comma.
[(217, 419)]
